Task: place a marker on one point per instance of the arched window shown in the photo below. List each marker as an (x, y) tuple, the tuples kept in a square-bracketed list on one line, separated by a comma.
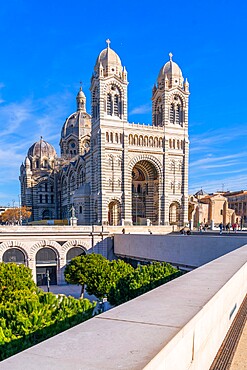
[(111, 137), (45, 163), (178, 114), (95, 103), (74, 252), (116, 105), (159, 116), (116, 138), (80, 177), (172, 113), (109, 104), (107, 137), (14, 255)]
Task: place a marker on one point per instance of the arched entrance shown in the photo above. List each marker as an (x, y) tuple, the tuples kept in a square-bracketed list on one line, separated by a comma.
[(114, 213), (46, 215), (14, 255), (74, 252), (174, 214), (46, 260), (145, 194)]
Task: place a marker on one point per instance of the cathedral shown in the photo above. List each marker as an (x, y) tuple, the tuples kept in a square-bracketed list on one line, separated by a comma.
[(110, 171)]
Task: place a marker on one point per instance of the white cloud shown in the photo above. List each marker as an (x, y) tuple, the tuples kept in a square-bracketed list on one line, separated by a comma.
[(142, 109), (22, 124)]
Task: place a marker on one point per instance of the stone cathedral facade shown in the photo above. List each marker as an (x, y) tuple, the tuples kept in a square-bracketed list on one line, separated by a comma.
[(110, 171)]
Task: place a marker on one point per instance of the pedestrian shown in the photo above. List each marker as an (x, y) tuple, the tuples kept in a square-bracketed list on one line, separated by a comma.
[(221, 227)]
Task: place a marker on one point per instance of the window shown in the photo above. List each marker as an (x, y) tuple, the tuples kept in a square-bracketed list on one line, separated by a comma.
[(109, 105), (116, 105), (172, 113)]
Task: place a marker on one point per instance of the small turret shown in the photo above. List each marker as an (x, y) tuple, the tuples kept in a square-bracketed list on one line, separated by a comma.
[(81, 100), (186, 86)]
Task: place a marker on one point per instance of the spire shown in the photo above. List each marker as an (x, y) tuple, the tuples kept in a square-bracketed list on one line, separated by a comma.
[(186, 85), (170, 55)]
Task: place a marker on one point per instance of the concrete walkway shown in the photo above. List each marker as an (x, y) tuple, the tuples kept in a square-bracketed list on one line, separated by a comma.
[(68, 289)]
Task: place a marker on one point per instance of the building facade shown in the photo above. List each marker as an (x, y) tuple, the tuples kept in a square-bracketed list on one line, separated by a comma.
[(238, 202), (110, 171), (210, 209)]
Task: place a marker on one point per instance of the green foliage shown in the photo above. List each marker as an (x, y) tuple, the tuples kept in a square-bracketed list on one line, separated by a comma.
[(117, 279), (98, 273), (28, 315), (141, 280), (14, 277)]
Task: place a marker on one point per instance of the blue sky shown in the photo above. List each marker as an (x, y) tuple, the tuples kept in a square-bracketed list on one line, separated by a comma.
[(48, 47)]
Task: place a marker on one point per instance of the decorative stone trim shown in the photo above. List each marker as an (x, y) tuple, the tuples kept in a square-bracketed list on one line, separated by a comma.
[(13, 244), (42, 244)]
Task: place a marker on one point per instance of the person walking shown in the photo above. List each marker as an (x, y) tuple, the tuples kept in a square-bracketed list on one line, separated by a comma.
[(221, 227)]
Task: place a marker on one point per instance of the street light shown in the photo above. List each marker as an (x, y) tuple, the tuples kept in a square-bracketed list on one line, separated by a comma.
[(48, 280), (20, 215)]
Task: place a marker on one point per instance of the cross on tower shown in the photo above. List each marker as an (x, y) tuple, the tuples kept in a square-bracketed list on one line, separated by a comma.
[(108, 42), (170, 55)]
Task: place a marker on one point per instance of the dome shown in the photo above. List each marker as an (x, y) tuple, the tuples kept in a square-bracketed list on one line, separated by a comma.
[(172, 72), (109, 60), (41, 149), (81, 94), (74, 123)]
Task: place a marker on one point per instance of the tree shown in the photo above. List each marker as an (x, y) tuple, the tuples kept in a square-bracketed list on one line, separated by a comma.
[(96, 272), (90, 269), (16, 215), (14, 278)]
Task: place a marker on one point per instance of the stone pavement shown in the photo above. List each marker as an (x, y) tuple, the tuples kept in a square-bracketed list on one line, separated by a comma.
[(239, 361)]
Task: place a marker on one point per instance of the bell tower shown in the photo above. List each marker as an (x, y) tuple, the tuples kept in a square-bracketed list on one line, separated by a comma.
[(170, 98), (109, 118)]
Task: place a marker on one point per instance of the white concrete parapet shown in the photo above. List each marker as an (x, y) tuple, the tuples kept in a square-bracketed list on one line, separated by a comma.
[(178, 326)]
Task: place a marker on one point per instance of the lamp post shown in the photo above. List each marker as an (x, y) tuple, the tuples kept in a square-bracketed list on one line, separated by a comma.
[(20, 215), (48, 280)]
